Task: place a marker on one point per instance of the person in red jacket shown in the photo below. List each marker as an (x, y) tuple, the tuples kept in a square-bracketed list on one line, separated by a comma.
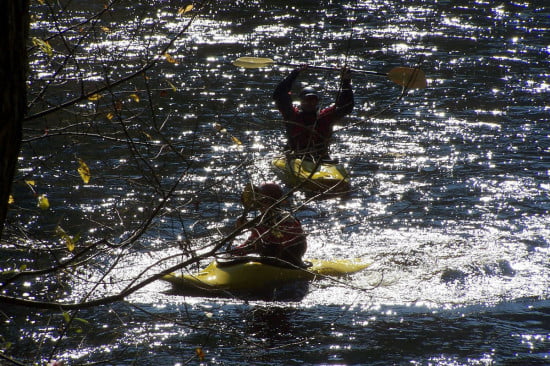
[(309, 128), (278, 234)]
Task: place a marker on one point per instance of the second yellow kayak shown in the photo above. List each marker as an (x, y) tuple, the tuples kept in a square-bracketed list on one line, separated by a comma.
[(312, 177)]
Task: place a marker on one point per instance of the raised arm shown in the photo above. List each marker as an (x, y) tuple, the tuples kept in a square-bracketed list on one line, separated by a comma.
[(282, 97), (344, 101)]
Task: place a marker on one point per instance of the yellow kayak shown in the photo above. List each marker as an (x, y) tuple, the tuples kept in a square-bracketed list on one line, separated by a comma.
[(251, 275), (312, 177)]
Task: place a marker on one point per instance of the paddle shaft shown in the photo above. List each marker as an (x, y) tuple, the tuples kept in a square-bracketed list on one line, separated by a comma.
[(332, 68), (411, 78)]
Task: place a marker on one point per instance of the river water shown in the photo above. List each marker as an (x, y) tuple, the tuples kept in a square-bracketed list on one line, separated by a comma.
[(455, 218)]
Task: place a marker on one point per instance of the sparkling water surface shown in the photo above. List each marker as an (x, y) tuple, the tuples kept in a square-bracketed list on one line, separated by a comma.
[(455, 218)]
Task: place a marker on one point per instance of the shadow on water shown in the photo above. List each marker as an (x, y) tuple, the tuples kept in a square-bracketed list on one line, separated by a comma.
[(293, 291)]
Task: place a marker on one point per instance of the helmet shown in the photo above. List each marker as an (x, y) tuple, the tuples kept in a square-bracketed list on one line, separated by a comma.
[(307, 92), (271, 191), (253, 197)]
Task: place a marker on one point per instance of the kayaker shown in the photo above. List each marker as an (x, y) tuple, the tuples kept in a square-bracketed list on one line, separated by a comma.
[(309, 128), (278, 234)]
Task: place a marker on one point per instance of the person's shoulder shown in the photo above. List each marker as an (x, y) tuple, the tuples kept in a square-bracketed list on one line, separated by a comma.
[(292, 220), (327, 111)]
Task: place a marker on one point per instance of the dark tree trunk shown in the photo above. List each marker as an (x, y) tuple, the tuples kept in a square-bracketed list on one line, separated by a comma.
[(14, 27)]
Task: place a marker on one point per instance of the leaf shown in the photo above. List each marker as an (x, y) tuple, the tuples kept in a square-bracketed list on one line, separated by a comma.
[(43, 202), (43, 45), (84, 171), (66, 317), (106, 29), (95, 97), (69, 242), (220, 128), (172, 86), (236, 140), (135, 97), (84, 321), (200, 353), (148, 136), (11, 200), (185, 9), (31, 183), (169, 58), (110, 116)]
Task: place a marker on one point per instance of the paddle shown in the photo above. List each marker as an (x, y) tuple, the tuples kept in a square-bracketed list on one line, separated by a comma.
[(408, 77)]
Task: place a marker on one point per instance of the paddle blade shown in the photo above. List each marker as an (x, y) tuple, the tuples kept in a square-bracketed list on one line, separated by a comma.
[(408, 77), (253, 62)]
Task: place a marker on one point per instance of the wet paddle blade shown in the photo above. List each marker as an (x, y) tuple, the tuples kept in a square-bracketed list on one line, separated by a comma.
[(253, 62), (408, 77)]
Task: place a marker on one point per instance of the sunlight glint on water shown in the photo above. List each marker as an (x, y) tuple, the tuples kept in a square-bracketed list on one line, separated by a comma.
[(455, 218)]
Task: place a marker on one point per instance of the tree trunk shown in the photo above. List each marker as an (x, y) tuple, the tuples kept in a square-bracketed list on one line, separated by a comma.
[(14, 28)]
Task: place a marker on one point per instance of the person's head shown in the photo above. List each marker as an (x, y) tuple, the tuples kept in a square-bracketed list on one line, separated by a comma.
[(262, 197), (268, 193), (309, 99)]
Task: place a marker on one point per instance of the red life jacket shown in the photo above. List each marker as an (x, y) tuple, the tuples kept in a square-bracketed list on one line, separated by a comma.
[(310, 132), (281, 238)]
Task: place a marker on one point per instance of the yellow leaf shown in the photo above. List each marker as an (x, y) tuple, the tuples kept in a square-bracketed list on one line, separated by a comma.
[(66, 316), (69, 242), (220, 128), (135, 97), (94, 97), (43, 45), (236, 140), (84, 171), (10, 200), (106, 29), (200, 353), (185, 9), (43, 202), (83, 321), (30, 182), (110, 116), (172, 86), (41, 2), (169, 58)]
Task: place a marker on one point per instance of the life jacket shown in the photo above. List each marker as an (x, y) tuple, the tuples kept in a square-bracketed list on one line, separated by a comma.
[(280, 237), (309, 131)]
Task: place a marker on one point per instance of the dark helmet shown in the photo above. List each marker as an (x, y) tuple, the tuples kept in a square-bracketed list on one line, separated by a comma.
[(271, 191), (307, 92), (253, 197)]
